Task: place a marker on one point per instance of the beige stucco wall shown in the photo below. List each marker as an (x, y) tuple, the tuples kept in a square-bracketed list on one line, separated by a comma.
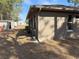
[(54, 26), (47, 27)]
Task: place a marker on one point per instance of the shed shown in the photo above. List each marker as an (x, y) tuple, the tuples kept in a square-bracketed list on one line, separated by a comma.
[(53, 22)]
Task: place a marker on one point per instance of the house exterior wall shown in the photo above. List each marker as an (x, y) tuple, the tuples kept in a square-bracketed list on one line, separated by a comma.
[(75, 33), (76, 28), (45, 28), (3, 25), (6, 25), (51, 25), (54, 26)]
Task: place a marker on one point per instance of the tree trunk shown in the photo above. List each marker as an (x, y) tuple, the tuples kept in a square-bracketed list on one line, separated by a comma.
[(1, 16)]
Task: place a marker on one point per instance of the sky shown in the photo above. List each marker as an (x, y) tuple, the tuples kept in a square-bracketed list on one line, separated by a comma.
[(26, 4)]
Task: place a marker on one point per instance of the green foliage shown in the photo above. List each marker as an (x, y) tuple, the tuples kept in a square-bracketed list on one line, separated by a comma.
[(13, 7), (74, 1)]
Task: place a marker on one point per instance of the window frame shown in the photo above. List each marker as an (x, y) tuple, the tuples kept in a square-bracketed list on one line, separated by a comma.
[(69, 29)]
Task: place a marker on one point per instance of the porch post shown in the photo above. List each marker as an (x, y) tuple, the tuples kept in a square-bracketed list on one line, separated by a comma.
[(36, 23), (55, 27)]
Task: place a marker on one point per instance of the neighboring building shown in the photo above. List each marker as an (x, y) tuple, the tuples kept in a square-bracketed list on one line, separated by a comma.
[(10, 25), (6, 21), (54, 22), (7, 24)]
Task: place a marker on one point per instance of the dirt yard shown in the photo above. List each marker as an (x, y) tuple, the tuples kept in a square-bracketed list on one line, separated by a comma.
[(13, 46)]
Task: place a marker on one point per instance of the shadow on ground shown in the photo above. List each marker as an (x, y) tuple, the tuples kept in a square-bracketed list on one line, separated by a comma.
[(23, 32), (72, 46), (50, 49), (12, 50)]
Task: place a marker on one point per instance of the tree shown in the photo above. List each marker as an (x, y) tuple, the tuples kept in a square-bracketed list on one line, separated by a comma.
[(9, 7), (74, 1), (16, 10)]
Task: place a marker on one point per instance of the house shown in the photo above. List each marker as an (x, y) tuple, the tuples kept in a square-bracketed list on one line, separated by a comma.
[(7, 24), (53, 22)]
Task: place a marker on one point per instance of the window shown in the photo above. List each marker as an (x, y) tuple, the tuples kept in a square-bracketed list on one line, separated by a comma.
[(70, 18), (70, 23)]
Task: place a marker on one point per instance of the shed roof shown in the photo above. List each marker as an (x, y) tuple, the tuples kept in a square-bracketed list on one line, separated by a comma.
[(6, 20), (53, 8)]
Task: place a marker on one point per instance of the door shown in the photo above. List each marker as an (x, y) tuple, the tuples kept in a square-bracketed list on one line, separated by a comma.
[(9, 25)]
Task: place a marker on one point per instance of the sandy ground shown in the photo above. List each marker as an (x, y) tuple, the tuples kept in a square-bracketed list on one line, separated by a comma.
[(23, 48)]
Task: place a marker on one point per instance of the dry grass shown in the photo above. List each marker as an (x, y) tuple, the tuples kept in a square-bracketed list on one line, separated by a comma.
[(23, 48)]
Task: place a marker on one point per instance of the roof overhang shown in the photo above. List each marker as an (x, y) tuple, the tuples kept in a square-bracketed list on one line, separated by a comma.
[(53, 8)]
